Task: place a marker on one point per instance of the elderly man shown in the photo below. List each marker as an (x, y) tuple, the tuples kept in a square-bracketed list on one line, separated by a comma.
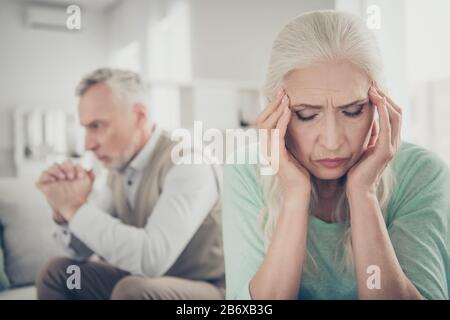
[(155, 226)]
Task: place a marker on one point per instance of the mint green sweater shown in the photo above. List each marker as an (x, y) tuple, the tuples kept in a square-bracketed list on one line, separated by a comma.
[(418, 221)]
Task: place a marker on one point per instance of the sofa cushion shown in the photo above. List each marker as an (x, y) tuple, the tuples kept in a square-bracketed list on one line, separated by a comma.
[(28, 240), (4, 282), (22, 293)]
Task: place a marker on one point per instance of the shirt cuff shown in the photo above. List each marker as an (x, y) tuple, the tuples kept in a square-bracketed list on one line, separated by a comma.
[(85, 222), (62, 234)]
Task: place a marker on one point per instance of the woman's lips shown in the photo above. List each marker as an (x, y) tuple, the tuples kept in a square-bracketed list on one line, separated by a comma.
[(331, 163)]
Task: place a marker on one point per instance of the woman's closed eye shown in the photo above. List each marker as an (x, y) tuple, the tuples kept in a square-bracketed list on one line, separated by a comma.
[(309, 114), (306, 115), (354, 111)]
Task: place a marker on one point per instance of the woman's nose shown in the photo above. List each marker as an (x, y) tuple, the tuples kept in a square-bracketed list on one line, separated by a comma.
[(331, 134)]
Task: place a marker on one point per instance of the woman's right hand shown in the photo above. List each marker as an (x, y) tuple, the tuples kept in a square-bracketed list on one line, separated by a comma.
[(294, 178), (286, 252)]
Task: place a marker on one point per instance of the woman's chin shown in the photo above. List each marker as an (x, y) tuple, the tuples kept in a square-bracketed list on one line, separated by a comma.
[(329, 174)]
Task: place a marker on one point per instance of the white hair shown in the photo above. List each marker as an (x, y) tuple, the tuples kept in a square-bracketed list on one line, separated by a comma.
[(126, 85), (309, 39)]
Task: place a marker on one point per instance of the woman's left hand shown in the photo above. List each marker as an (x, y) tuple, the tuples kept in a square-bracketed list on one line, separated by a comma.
[(365, 175)]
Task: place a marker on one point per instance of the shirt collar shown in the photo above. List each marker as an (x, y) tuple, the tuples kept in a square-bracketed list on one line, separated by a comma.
[(141, 160)]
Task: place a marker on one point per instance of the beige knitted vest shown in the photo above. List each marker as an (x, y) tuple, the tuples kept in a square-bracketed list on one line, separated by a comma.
[(202, 258)]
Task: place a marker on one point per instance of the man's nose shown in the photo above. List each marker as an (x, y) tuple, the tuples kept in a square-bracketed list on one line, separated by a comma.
[(331, 134), (89, 143)]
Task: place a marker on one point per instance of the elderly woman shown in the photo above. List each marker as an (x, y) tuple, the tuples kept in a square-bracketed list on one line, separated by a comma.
[(352, 211)]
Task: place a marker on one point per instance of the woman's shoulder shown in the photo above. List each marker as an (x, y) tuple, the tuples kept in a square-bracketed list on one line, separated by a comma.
[(242, 169), (413, 161), (244, 162), (242, 191), (422, 179)]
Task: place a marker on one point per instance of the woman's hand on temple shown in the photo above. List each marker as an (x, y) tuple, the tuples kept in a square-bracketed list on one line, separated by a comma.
[(294, 178), (286, 252), (365, 175)]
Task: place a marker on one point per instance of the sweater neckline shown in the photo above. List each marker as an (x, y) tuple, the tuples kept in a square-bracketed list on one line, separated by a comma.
[(330, 225)]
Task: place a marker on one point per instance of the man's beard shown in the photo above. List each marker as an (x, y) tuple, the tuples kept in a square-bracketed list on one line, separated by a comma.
[(121, 161)]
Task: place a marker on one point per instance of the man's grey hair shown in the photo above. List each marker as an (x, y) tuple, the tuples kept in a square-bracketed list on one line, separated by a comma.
[(125, 84)]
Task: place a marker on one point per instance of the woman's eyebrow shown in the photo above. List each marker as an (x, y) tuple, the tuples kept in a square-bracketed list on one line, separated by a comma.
[(305, 105)]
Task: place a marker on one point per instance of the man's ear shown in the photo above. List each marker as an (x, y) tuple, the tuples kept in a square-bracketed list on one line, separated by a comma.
[(141, 113)]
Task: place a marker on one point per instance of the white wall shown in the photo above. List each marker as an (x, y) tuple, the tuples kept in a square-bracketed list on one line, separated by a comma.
[(134, 42), (230, 48), (428, 69), (40, 68), (127, 22), (227, 47), (391, 38), (427, 40), (232, 39)]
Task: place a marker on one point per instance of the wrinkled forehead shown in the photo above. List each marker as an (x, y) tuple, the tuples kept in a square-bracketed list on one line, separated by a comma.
[(328, 83)]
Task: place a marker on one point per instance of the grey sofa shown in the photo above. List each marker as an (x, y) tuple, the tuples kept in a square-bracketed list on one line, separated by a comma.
[(28, 241)]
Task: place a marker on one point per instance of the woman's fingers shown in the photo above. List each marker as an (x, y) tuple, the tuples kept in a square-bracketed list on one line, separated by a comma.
[(282, 125), (389, 100), (385, 126), (392, 103), (271, 107), (270, 123), (272, 120), (395, 121), (395, 117)]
